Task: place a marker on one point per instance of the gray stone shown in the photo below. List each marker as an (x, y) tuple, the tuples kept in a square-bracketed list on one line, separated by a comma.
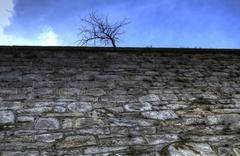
[(27, 153), (11, 76), (2, 135), (49, 137), (161, 139), (77, 141), (67, 123), (28, 132), (89, 122), (223, 151), (96, 150), (116, 140), (169, 97), (160, 115), (190, 149), (95, 92), (149, 98), (231, 121), (136, 107), (47, 123), (59, 109), (121, 122), (10, 105), (7, 117), (94, 131), (25, 118), (236, 151), (36, 110), (80, 107)]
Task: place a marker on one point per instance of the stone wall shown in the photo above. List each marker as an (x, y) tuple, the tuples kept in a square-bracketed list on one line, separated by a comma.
[(105, 102)]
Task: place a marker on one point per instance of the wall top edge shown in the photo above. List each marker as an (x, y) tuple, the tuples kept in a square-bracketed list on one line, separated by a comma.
[(119, 49)]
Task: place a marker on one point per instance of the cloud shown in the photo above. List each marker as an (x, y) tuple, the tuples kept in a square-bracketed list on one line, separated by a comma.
[(6, 12), (45, 38)]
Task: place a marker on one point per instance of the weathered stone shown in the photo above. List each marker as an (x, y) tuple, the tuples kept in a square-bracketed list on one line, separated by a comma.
[(67, 123), (7, 117), (11, 76), (96, 150), (73, 114), (2, 135), (138, 107), (89, 122), (80, 107), (160, 115), (189, 149), (27, 153), (236, 151), (93, 131), (28, 132), (95, 92), (77, 141), (10, 105), (70, 152), (149, 98), (25, 118), (115, 140), (140, 130), (47, 123), (49, 137), (214, 138), (59, 109), (129, 122), (169, 97), (223, 151), (231, 121), (161, 139), (36, 110), (150, 154)]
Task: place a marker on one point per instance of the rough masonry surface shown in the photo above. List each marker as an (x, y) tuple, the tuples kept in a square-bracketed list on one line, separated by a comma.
[(123, 102)]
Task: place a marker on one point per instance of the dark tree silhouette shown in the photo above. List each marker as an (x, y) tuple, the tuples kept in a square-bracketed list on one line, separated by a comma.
[(99, 29)]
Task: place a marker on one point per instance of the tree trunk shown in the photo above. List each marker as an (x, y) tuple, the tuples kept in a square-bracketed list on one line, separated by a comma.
[(113, 43)]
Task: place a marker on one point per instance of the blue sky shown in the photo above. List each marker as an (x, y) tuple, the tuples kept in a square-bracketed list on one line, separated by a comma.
[(156, 23)]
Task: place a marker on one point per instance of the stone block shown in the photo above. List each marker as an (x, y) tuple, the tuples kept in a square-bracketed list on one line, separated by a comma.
[(67, 123), (77, 141), (138, 107), (189, 149), (11, 76), (95, 92), (149, 98), (7, 117), (80, 107), (96, 150), (89, 122), (236, 151), (52, 137), (25, 153), (224, 151), (47, 123), (25, 118), (161, 139), (160, 115)]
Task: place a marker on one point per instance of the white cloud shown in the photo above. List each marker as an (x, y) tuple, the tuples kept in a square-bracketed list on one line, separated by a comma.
[(45, 38), (6, 12)]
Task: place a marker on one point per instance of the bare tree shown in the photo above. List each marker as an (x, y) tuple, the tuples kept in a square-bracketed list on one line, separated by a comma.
[(99, 29)]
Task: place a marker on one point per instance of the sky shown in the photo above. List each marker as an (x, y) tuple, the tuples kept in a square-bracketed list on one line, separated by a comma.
[(154, 23)]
